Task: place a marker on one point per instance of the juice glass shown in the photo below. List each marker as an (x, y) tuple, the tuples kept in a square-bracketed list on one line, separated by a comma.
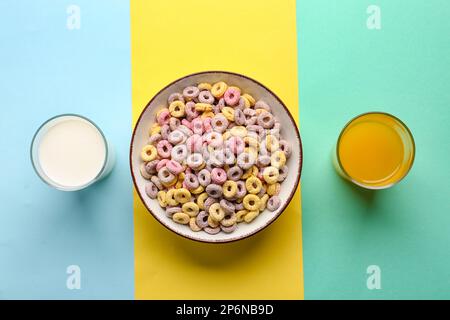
[(375, 150)]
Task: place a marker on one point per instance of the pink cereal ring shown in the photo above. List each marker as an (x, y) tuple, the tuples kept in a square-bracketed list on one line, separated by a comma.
[(164, 148), (218, 176), (236, 144), (161, 164), (197, 126), (174, 167), (194, 143), (186, 123), (191, 113), (163, 117), (207, 124), (232, 96)]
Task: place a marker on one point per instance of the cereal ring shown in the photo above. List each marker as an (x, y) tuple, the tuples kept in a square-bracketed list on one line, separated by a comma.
[(229, 219), (174, 167), (272, 143), (202, 219), (191, 181), (216, 212), (193, 225), (243, 103), (206, 97), (204, 86), (229, 229), (187, 123), (283, 172), (234, 173), (239, 117), (182, 195), (157, 182), (214, 190), (270, 175), (208, 202), (232, 96), (194, 143), (165, 131), (175, 97), (246, 160), (166, 176), (229, 189), (273, 203), (228, 112), (240, 215), (218, 89), (265, 120), (227, 206), (174, 123), (143, 170), (250, 116), (229, 157), (154, 129), (261, 104), (161, 196), (164, 148), (218, 176), (273, 189), (250, 99), (191, 209), (170, 211), (163, 117), (210, 230), (194, 160), (214, 139), (239, 206), (201, 200), (179, 153), (151, 190), (185, 130), (204, 177), (264, 199), (235, 144), (219, 123), (258, 131), (176, 137), (251, 215), (239, 131), (198, 190), (212, 223), (251, 202), (170, 198), (241, 189), (263, 161), (197, 126), (161, 164), (154, 139), (190, 92), (203, 107), (177, 109), (149, 153), (253, 185), (208, 114), (207, 124), (181, 218), (278, 159), (286, 148)]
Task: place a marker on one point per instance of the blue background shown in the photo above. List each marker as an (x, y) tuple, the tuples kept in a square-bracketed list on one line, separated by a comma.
[(46, 69)]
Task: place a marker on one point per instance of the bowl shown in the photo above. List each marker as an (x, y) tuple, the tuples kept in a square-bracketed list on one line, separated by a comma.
[(289, 132)]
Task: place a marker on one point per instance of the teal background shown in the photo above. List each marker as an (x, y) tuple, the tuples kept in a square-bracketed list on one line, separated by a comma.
[(46, 69), (344, 70)]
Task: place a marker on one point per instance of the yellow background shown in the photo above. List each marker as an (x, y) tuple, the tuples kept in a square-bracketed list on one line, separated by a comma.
[(170, 39)]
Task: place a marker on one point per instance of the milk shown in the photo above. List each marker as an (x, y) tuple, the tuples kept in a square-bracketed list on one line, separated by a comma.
[(71, 152)]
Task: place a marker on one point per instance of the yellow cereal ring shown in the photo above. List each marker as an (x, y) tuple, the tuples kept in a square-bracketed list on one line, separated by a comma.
[(251, 202), (201, 107), (218, 89), (253, 185), (235, 88), (170, 197), (193, 225), (272, 143), (154, 129), (160, 110), (181, 218), (252, 151), (179, 184), (208, 114), (251, 142), (181, 176), (251, 215), (229, 189), (273, 189), (239, 131), (270, 175), (201, 200), (204, 86), (240, 215), (177, 109), (250, 99), (278, 159), (259, 111), (229, 221), (264, 199), (161, 196), (190, 208), (170, 183), (255, 171), (182, 195), (247, 173), (228, 113), (226, 135), (212, 223), (246, 102), (216, 212), (149, 153), (198, 190)]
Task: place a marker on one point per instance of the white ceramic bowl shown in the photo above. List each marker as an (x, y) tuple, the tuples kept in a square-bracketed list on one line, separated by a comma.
[(289, 132)]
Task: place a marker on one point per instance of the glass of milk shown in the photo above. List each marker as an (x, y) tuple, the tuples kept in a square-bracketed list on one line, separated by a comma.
[(69, 152)]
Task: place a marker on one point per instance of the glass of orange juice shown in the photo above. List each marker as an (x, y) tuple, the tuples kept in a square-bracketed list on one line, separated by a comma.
[(375, 150)]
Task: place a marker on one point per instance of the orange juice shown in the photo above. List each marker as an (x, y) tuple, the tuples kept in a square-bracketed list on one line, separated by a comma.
[(375, 150)]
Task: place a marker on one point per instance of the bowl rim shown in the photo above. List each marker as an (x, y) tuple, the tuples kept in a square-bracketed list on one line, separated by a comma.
[(291, 195)]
